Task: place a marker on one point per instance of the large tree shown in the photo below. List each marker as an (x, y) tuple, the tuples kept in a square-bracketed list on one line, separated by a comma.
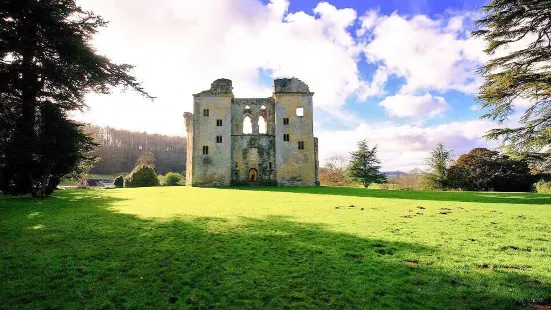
[(47, 65), (518, 37), (365, 166), (485, 170), (438, 162)]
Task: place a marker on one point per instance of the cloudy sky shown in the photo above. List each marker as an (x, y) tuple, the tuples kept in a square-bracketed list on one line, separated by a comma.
[(400, 73)]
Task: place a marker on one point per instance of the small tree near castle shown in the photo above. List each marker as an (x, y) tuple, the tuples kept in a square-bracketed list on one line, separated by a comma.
[(365, 166)]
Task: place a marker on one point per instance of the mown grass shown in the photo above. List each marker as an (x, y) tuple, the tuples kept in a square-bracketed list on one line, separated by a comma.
[(266, 248)]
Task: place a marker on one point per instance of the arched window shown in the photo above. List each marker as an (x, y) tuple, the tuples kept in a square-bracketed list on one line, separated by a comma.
[(247, 125), (262, 125)]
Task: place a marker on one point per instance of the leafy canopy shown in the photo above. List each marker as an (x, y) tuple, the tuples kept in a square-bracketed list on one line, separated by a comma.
[(522, 72), (438, 162), (365, 166), (47, 66), (485, 170)]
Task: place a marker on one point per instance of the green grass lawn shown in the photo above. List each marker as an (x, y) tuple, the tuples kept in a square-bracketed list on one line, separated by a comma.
[(265, 248)]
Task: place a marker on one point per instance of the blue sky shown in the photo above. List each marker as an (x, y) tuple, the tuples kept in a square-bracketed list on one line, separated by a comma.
[(398, 73)]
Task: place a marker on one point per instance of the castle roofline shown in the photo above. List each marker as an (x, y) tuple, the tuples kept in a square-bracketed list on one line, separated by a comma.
[(217, 88), (223, 87), (291, 86)]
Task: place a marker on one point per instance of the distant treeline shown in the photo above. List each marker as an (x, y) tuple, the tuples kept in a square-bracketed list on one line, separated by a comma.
[(119, 150)]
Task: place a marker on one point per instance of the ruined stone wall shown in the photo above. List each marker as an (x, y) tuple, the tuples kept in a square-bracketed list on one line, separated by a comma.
[(295, 167), (253, 152), (254, 112), (188, 119)]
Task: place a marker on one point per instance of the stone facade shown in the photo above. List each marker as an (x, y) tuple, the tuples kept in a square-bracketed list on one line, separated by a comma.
[(280, 148)]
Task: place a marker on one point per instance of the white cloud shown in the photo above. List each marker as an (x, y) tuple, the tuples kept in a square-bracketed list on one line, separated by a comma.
[(414, 106), (376, 87), (405, 147), (180, 47), (431, 54)]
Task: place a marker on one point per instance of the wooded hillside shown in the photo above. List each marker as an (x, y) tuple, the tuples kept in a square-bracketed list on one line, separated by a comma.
[(119, 150)]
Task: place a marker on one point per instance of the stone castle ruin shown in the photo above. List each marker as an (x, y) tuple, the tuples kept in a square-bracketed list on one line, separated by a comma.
[(248, 141)]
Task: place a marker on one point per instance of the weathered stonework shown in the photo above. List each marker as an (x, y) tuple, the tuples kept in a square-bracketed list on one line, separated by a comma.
[(261, 157)]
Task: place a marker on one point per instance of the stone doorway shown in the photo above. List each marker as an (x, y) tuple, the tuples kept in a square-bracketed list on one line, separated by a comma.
[(253, 175)]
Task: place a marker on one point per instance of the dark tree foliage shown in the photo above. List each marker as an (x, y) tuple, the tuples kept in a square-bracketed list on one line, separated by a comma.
[(46, 67), (120, 151), (365, 166), (523, 73), (485, 170), (119, 181)]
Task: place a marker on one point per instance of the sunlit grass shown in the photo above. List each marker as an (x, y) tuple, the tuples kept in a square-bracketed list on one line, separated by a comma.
[(275, 248)]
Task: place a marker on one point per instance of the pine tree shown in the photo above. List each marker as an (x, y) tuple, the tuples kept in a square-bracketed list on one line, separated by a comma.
[(47, 65), (365, 166), (438, 162), (523, 73)]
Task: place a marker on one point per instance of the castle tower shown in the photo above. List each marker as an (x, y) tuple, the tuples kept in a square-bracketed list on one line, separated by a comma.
[(250, 141), (209, 153), (296, 147)]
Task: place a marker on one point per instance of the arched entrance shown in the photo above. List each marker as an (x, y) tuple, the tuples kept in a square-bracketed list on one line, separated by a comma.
[(253, 175)]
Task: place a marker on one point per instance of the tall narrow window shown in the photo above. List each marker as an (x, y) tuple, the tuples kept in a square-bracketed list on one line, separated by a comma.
[(219, 122), (285, 137), (247, 125), (218, 139), (300, 112), (205, 150), (205, 112), (236, 165), (262, 125), (301, 145), (286, 121), (270, 166)]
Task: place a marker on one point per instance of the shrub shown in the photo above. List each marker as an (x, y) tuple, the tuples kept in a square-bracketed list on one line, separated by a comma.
[(543, 187), (172, 179), (142, 176), (119, 181)]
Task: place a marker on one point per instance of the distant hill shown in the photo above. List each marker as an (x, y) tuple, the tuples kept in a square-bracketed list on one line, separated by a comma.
[(396, 173)]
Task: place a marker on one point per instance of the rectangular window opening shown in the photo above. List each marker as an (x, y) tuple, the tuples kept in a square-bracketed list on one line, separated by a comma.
[(286, 121), (219, 122), (205, 112), (300, 112), (301, 145), (205, 150), (218, 139), (285, 137)]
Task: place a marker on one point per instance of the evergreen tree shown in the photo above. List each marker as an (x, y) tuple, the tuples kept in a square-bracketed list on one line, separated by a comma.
[(365, 166), (521, 73), (438, 162), (46, 67)]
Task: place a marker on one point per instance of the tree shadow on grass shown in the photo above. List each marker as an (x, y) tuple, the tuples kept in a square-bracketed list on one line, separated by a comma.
[(87, 256), (481, 197)]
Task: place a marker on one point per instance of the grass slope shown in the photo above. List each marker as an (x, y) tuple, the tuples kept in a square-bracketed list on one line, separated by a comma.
[(181, 247)]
